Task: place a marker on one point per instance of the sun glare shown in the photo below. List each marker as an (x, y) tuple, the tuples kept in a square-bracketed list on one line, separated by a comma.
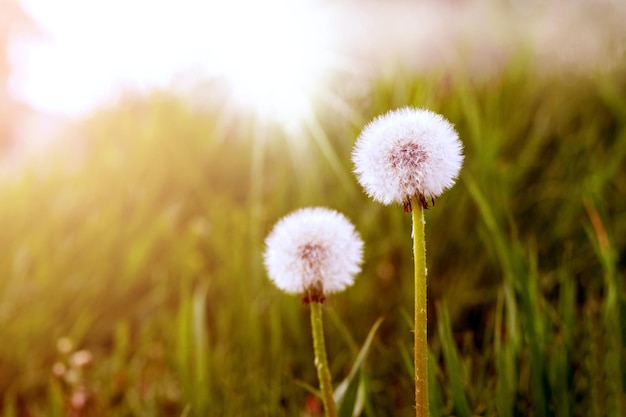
[(273, 55)]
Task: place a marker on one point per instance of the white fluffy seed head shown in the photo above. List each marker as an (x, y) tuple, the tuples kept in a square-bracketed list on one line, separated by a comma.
[(313, 250), (407, 152)]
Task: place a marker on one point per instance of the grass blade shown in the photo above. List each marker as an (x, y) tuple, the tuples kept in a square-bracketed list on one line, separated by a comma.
[(453, 364), (347, 392)]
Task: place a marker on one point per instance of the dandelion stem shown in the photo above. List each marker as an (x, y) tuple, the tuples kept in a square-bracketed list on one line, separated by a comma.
[(321, 362), (420, 335)]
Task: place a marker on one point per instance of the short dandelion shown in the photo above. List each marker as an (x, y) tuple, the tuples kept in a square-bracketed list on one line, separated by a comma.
[(315, 252), (410, 156)]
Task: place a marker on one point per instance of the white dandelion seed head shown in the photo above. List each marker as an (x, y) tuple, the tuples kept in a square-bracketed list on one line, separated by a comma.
[(407, 152), (313, 249)]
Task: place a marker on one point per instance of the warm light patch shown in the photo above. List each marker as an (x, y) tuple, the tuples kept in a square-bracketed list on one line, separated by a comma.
[(273, 54)]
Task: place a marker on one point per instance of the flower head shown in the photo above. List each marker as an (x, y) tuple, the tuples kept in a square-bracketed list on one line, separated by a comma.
[(313, 251), (405, 153)]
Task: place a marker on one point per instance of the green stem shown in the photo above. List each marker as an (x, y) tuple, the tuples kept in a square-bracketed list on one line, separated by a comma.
[(321, 362), (420, 336)]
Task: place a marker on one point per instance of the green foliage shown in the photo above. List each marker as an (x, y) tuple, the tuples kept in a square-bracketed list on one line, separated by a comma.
[(454, 368), (350, 393), (142, 242)]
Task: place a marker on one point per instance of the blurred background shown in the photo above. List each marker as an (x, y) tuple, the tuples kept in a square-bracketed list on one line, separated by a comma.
[(147, 148)]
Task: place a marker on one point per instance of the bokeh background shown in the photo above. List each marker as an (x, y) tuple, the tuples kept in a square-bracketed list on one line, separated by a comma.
[(149, 147)]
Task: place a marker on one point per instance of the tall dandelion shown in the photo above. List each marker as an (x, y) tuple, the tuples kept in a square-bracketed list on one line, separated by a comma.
[(314, 252), (410, 156)]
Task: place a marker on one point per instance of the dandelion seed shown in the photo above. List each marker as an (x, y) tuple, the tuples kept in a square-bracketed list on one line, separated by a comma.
[(79, 398), (72, 376), (81, 358), (59, 369), (407, 153), (65, 345), (313, 251)]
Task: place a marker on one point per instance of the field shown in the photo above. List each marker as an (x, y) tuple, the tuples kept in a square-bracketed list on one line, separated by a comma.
[(132, 280)]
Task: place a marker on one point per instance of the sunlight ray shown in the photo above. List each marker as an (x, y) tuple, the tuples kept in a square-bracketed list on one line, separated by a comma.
[(319, 135), (273, 58)]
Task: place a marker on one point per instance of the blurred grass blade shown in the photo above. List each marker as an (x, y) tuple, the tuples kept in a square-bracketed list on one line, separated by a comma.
[(343, 330), (200, 343), (505, 353), (435, 395), (453, 365), (325, 145), (183, 339), (352, 400), (489, 218), (347, 392), (308, 387), (56, 400), (562, 369), (592, 367), (407, 358), (192, 356), (536, 333), (611, 316)]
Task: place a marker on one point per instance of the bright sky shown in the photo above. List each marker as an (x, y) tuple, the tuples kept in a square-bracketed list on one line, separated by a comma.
[(272, 51), (275, 53)]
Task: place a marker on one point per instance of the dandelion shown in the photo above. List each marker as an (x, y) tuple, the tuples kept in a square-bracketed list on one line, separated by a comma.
[(410, 156), (315, 252), (407, 153)]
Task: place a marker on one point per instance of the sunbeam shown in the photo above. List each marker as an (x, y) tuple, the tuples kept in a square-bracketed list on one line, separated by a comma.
[(274, 57)]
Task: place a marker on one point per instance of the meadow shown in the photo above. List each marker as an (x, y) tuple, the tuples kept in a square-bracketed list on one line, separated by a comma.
[(132, 280)]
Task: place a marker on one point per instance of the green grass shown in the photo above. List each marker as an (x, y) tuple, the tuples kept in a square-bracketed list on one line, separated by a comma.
[(142, 242)]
